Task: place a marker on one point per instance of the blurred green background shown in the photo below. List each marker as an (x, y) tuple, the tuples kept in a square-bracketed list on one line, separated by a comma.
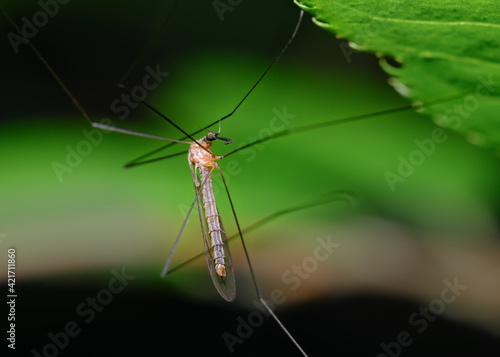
[(441, 222)]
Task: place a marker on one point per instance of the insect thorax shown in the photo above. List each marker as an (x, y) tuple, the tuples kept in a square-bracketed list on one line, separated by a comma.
[(201, 155)]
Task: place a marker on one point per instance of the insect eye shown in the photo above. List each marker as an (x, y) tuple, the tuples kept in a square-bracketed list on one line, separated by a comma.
[(211, 136)]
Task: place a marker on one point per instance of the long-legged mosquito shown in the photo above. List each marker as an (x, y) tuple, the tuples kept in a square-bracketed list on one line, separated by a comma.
[(202, 164)]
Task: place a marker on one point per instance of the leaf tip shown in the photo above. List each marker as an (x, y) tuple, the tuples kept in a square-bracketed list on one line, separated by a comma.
[(320, 23), (399, 87), (355, 46)]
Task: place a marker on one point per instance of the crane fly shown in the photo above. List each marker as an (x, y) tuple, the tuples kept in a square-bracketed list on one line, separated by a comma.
[(202, 162)]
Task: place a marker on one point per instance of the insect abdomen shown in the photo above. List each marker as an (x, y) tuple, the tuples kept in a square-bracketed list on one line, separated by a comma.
[(214, 226)]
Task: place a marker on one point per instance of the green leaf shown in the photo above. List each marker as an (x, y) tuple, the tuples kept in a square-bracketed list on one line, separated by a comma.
[(446, 49)]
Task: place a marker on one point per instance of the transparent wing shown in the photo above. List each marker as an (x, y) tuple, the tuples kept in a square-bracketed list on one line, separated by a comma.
[(225, 285)]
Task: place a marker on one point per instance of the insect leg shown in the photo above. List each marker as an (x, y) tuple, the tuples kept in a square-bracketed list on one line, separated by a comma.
[(259, 295), (167, 263)]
